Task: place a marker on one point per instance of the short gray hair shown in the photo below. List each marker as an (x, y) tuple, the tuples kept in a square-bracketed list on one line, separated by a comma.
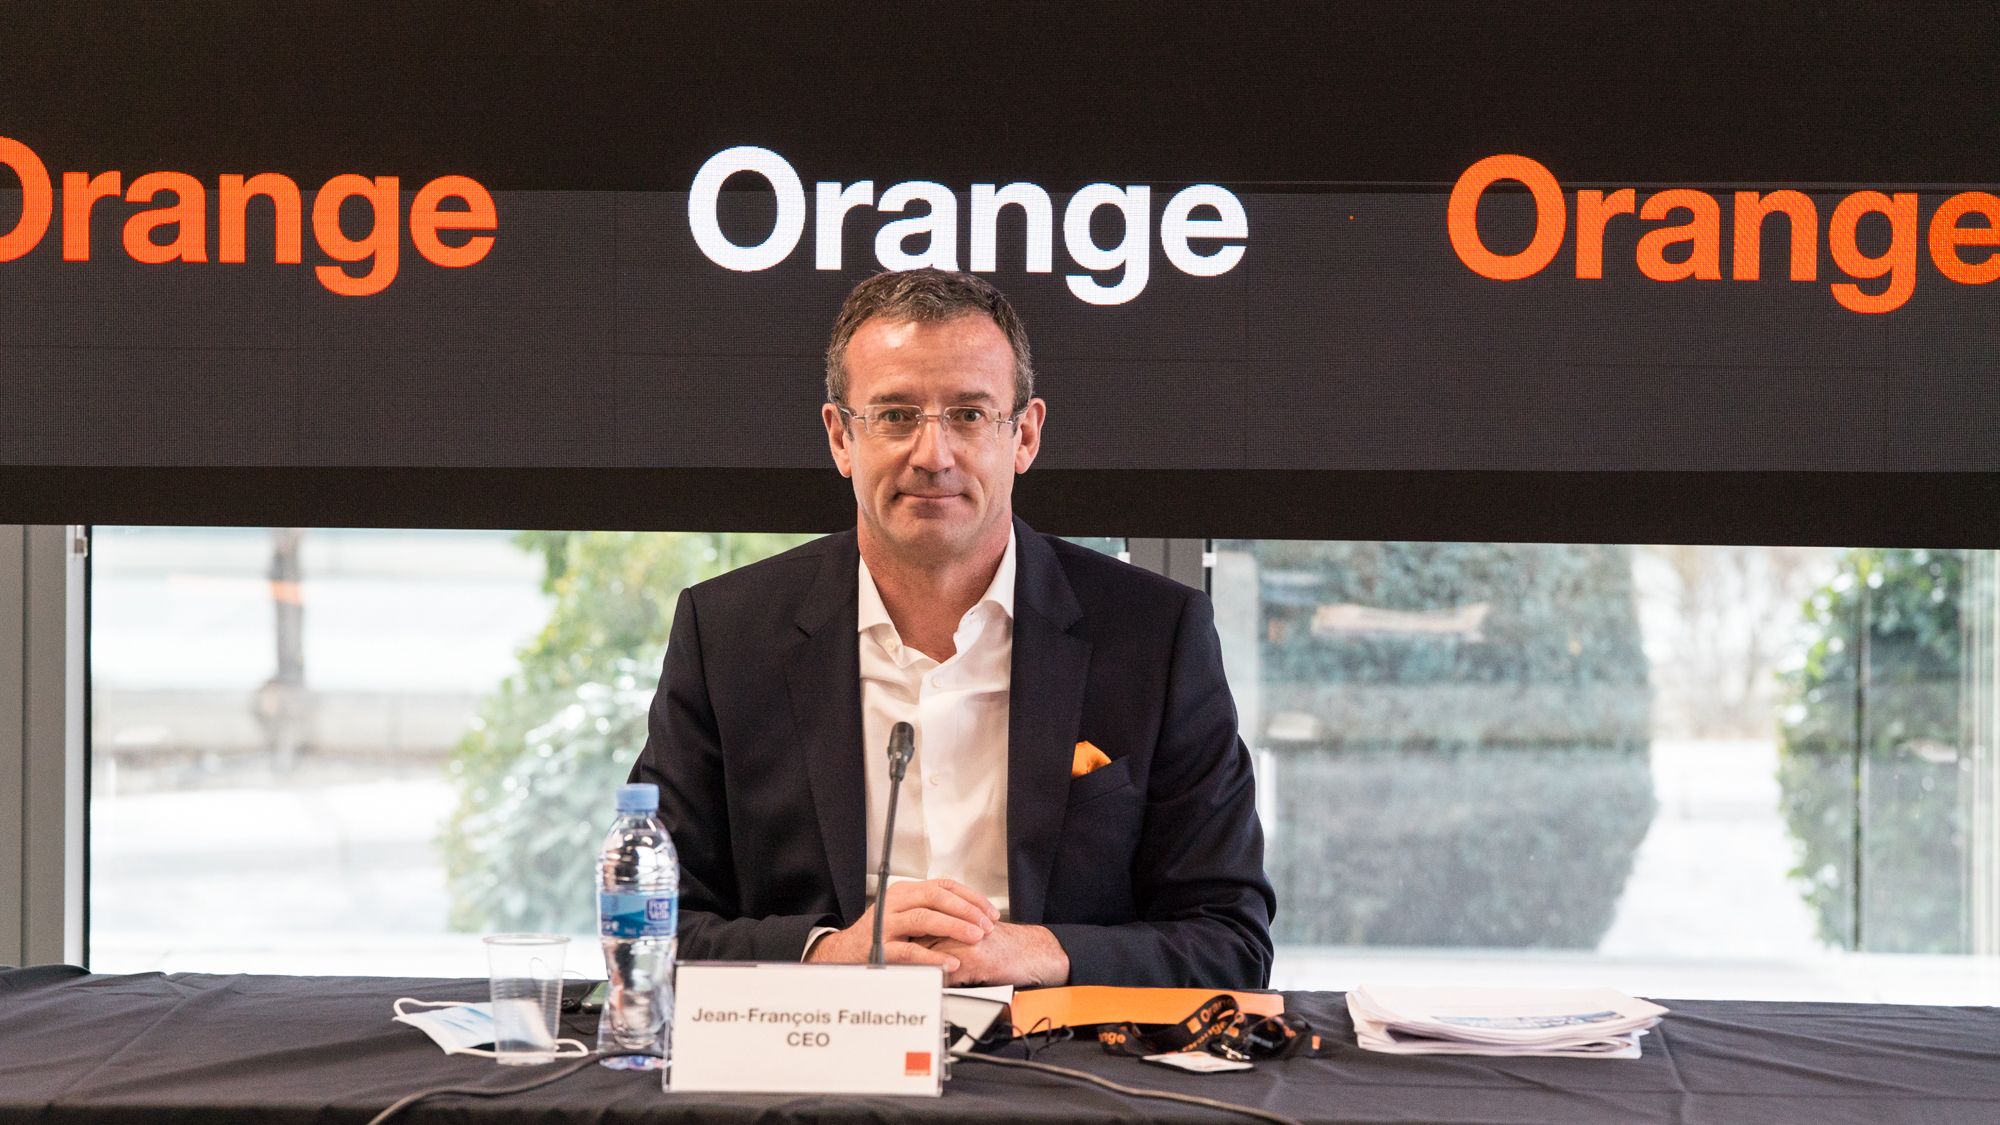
[(927, 296)]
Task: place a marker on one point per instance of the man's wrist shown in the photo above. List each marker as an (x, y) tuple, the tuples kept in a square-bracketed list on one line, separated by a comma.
[(813, 940), (1049, 958)]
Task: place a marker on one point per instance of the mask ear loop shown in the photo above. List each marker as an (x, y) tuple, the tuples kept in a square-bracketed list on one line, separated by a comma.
[(583, 1049), (416, 1003)]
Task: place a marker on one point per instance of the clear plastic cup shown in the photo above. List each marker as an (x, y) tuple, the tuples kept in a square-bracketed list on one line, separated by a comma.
[(526, 975)]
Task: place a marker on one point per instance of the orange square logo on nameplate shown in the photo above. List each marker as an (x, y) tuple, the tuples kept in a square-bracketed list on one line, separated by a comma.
[(916, 1064)]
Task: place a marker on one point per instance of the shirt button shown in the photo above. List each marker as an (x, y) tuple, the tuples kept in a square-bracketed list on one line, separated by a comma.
[(937, 681), (936, 780)]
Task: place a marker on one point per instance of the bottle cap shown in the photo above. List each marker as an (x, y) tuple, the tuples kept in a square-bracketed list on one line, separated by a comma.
[(639, 797)]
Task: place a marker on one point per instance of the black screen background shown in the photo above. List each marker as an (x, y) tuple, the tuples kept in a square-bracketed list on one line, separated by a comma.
[(1349, 380)]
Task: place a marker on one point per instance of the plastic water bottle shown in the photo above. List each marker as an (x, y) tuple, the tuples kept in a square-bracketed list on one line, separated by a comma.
[(638, 906)]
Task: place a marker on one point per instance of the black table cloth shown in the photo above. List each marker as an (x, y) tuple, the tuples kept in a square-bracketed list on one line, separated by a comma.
[(217, 1049)]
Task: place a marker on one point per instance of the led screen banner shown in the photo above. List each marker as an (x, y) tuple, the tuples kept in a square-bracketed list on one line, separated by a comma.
[(572, 268)]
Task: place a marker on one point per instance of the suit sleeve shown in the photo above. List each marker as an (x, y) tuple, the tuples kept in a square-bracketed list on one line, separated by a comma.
[(1198, 875), (684, 757)]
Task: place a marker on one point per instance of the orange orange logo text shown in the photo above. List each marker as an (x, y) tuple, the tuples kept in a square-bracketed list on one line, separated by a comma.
[(177, 231), (1687, 244)]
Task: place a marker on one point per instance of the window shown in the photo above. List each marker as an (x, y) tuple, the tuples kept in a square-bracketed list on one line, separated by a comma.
[(343, 751), (1688, 770), (1723, 771)]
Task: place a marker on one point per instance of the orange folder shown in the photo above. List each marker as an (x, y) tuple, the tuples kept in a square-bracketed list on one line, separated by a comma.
[(1083, 1005)]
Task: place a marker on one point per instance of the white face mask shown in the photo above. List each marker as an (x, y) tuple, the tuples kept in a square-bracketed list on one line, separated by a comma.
[(462, 1028)]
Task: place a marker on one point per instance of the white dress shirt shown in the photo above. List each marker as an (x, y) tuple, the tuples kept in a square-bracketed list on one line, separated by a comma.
[(951, 822)]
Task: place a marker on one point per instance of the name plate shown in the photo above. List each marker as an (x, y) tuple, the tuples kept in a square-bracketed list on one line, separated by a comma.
[(808, 1029)]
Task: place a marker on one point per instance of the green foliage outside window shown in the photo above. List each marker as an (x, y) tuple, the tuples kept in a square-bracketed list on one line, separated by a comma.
[(535, 777), (1869, 757)]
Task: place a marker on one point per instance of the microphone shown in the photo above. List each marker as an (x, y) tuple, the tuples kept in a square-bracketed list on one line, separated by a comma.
[(902, 746)]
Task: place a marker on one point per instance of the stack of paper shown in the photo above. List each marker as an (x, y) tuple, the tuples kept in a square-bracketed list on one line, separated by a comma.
[(1552, 1022)]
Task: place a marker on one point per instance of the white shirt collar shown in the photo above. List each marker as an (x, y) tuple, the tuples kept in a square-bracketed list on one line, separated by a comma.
[(870, 611)]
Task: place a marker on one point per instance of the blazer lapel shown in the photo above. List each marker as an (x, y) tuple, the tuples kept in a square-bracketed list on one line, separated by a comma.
[(823, 673), (1044, 713)]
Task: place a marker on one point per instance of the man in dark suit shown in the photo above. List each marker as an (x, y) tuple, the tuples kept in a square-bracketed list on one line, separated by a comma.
[(1080, 810)]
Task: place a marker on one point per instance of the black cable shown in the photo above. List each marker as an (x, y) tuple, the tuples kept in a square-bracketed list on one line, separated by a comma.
[(1129, 1091), (407, 1101), (403, 1103)]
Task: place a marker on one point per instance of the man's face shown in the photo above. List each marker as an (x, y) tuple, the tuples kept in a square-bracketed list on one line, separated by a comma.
[(934, 497)]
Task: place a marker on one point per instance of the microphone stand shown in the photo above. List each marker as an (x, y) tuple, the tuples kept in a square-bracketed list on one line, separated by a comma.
[(902, 746)]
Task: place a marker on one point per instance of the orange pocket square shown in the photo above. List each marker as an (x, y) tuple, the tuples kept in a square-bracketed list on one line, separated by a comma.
[(1087, 758)]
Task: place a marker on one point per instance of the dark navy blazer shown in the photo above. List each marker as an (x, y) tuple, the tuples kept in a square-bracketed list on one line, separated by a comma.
[(1149, 871)]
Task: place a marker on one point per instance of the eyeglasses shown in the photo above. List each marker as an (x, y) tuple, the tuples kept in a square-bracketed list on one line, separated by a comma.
[(892, 422)]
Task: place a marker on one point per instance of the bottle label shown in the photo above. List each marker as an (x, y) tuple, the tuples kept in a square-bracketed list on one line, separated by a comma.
[(637, 915)]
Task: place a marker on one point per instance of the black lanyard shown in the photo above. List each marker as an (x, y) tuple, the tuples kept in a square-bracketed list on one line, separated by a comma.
[(1218, 1027)]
